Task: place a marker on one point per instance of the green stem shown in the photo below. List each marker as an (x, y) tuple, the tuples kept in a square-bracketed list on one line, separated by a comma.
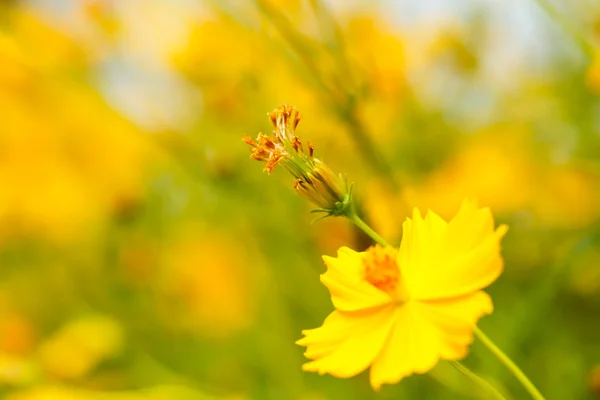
[(356, 220), (337, 94), (509, 364), (567, 27), (494, 393)]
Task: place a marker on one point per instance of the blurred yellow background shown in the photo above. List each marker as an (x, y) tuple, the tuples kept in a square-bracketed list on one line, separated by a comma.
[(144, 256)]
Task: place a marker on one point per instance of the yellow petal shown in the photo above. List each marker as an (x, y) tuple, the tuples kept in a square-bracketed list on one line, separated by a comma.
[(470, 226), (425, 332), (412, 347), (444, 260), (464, 273), (455, 320), (347, 343), (422, 242), (349, 260), (345, 280), (323, 341)]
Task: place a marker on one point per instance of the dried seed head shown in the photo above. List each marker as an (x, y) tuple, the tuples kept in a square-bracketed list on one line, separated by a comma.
[(314, 180)]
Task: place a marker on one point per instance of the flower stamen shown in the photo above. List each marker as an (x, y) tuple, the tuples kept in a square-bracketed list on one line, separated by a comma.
[(297, 145), (381, 268), (266, 149), (285, 119)]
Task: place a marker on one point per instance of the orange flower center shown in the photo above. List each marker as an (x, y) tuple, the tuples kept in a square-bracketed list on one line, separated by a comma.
[(381, 268)]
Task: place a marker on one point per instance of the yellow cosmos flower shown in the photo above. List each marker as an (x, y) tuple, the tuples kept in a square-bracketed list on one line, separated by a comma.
[(400, 311)]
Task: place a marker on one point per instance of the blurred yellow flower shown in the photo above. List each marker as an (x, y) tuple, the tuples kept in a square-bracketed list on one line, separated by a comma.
[(16, 371), (567, 197), (74, 350), (17, 334), (51, 392), (69, 161), (369, 36), (594, 379), (592, 75), (495, 167), (381, 80), (214, 284), (223, 67), (401, 311), (161, 392)]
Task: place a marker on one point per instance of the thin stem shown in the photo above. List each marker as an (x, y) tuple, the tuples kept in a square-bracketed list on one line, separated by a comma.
[(509, 364), (340, 97), (492, 391), (366, 145), (567, 27), (356, 220)]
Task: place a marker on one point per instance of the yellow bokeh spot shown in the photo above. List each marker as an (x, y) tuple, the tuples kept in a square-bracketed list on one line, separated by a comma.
[(210, 276), (494, 168), (75, 349), (593, 73), (17, 371), (69, 162), (568, 197)]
